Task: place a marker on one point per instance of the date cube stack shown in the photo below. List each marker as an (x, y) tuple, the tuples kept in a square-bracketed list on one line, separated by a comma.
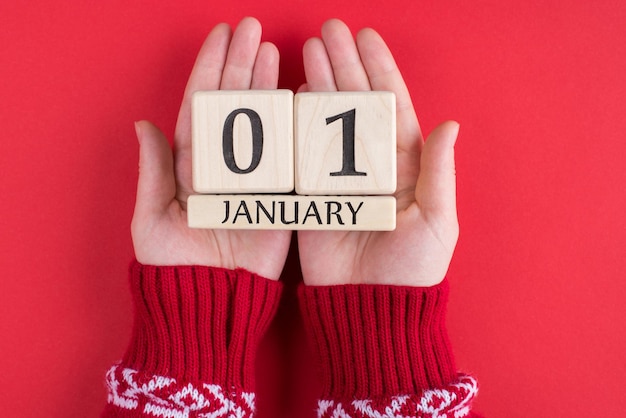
[(251, 148)]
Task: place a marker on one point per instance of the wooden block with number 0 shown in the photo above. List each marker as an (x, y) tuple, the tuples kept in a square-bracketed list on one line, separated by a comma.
[(345, 143), (242, 141)]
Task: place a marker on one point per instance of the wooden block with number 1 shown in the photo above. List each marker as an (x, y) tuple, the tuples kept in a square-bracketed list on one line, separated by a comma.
[(345, 143), (242, 141)]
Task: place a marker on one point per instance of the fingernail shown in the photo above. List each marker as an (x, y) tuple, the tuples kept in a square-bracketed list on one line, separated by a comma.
[(137, 130)]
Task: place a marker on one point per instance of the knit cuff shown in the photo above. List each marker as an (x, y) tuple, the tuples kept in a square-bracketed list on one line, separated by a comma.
[(374, 341), (194, 340)]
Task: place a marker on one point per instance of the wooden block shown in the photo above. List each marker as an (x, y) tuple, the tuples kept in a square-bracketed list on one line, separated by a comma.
[(345, 143), (357, 213), (242, 141)]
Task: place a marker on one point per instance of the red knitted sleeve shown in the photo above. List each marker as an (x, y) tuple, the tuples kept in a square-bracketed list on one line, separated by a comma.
[(384, 351), (194, 342)]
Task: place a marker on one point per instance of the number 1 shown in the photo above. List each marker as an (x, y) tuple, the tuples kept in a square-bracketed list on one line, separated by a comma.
[(348, 122)]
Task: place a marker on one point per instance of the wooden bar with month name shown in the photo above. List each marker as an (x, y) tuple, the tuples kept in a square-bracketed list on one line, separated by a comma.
[(293, 212)]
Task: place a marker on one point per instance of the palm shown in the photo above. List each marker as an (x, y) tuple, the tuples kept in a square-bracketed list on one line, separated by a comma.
[(418, 252), (160, 232)]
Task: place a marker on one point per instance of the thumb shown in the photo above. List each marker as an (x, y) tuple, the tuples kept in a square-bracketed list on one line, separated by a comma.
[(436, 185), (156, 187)]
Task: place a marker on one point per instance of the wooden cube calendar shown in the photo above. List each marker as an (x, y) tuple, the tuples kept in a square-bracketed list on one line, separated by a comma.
[(242, 141), (345, 143), (342, 160)]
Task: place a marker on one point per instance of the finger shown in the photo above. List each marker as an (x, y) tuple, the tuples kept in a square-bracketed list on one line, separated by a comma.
[(156, 186), (205, 75), (207, 70), (344, 57), (384, 75), (242, 54), (265, 72), (436, 185), (317, 68)]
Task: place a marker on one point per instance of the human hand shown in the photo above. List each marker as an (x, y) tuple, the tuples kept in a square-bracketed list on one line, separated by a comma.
[(419, 251), (226, 61)]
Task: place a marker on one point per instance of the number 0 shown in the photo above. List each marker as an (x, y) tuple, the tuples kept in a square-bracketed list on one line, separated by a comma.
[(257, 140)]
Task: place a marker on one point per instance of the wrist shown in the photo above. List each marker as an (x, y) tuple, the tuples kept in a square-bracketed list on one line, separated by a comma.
[(196, 328), (190, 320), (378, 340)]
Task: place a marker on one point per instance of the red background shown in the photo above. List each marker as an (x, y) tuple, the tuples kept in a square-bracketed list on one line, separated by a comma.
[(537, 310)]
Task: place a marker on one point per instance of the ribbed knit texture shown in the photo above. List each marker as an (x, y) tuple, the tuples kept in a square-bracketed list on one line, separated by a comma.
[(378, 341), (197, 326)]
